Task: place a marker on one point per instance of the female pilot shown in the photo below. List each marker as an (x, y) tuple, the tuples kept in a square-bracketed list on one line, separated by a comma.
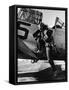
[(49, 44)]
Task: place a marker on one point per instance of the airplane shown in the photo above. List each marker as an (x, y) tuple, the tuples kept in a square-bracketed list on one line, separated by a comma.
[(27, 25)]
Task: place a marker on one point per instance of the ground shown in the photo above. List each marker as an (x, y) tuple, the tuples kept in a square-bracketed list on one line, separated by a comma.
[(40, 71)]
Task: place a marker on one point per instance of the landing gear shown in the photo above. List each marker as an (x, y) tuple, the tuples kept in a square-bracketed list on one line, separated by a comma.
[(34, 61)]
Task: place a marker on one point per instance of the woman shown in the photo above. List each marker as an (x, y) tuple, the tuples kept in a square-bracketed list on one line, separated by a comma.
[(49, 44)]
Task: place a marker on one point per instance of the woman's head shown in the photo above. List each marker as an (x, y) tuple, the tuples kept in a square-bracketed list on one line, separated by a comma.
[(49, 33)]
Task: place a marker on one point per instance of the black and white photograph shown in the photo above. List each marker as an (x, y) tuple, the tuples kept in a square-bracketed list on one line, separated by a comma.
[(41, 49)]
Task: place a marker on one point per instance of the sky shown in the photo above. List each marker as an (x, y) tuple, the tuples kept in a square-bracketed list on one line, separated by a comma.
[(49, 16)]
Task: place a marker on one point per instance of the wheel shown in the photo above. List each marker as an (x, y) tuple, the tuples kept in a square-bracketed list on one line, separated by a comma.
[(34, 61)]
